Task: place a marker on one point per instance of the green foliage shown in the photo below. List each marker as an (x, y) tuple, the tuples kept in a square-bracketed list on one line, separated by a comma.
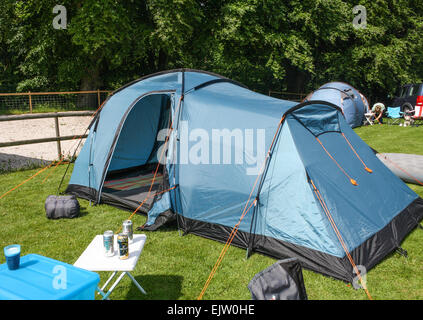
[(280, 45)]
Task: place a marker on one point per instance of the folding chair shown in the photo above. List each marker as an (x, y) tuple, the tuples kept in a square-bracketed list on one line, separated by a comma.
[(368, 118), (418, 115), (394, 114)]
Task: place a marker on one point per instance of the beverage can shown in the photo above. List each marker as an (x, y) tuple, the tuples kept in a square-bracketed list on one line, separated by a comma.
[(123, 245), (108, 243), (128, 229)]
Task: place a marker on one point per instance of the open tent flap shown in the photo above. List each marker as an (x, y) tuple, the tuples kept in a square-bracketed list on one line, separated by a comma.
[(137, 141), (135, 157)]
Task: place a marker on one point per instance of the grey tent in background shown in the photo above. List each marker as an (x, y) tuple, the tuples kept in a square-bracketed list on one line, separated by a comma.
[(283, 280)]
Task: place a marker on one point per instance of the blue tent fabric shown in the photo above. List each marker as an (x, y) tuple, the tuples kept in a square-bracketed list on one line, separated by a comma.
[(353, 104), (142, 120), (234, 108), (223, 134), (286, 190), (346, 202)]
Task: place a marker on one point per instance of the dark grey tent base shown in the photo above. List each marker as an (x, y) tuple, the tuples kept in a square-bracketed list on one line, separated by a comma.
[(130, 187), (121, 203), (82, 192), (370, 253), (91, 195), (127, 188)]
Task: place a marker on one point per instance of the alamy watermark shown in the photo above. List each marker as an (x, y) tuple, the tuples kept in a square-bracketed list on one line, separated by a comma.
[(244, 147), (360, 20), (60, 21), (60, 282), (360, 280)]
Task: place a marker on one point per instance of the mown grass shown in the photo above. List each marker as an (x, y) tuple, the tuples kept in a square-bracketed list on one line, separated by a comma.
[(393, 138), (176, 267)]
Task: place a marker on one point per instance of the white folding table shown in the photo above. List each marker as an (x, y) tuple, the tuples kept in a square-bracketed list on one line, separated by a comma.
[(94, 259)]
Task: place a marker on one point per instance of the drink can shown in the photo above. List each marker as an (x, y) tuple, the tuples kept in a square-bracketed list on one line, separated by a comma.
[(128, 229), (108, 243), (123, 244)]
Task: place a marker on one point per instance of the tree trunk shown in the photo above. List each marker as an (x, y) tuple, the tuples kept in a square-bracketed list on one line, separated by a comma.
[(91, 81), (296, 80)]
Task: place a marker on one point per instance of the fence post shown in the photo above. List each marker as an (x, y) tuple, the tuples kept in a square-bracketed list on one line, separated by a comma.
[(98, 97), (30, 101), (59, 148)]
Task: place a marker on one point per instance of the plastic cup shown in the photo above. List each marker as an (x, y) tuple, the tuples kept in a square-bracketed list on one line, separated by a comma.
[(12, 254)]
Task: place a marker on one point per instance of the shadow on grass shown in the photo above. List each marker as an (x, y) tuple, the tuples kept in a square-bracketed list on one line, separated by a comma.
[(83, 211), (158, 287), (13, 162)]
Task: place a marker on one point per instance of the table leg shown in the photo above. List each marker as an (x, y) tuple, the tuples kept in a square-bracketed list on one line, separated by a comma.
[(100, 291), (113, 286), (107, 282), (106, 295), (136, 282)]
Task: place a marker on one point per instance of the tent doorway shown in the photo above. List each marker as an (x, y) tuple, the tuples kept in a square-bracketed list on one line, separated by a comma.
[(135, 154)]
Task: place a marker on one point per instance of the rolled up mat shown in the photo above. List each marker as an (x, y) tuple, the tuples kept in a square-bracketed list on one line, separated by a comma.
[(407, 167)]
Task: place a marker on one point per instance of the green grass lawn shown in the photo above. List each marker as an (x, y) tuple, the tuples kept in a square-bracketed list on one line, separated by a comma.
[(176, 267)]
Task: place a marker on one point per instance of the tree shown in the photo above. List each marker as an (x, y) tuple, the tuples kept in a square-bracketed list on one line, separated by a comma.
[(266, 44)]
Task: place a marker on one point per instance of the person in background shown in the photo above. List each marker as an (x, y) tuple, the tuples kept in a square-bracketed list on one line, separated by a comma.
[(377, 110)]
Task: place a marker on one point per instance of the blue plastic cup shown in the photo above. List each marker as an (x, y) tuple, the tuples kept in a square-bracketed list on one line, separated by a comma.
[(13, 254)]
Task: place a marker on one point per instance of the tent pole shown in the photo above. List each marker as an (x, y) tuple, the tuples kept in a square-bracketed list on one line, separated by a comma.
[(177, 118), (260, 185)]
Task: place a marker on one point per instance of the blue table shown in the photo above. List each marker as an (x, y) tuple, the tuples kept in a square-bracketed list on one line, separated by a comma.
[(42, 278)]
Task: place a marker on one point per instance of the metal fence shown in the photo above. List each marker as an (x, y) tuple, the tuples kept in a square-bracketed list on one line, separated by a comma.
[(51, 101), (11, 103)]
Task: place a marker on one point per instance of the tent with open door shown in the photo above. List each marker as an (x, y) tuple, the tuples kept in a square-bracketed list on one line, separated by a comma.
[(352, 103), (294, 180)]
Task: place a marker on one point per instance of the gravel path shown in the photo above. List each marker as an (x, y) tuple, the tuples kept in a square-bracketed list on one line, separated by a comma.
[(30, 155)]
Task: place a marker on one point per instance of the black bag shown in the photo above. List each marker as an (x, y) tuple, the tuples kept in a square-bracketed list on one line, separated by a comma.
[(283, 280), (61, 207)]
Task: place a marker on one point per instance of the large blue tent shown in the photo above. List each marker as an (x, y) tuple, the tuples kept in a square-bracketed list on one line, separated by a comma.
[(293, 179), (352, 103)]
